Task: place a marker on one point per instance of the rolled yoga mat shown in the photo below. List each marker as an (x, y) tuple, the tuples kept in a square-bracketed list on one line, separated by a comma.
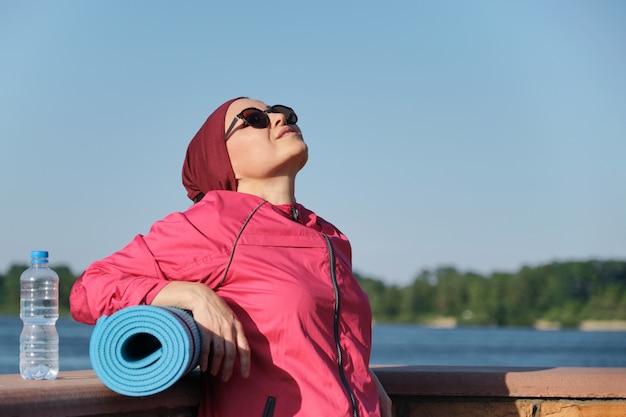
[(143, 350)]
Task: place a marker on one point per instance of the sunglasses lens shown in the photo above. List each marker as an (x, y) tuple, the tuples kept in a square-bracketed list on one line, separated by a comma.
[(290, 115), (256, 118)]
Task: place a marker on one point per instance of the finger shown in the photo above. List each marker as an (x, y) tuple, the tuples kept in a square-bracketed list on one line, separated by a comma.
[(230, 350), (229, 360), (205, 351), (243, 348), (218, 354)]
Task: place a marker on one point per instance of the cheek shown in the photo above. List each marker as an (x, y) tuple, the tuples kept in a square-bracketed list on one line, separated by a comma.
[(243, 159)]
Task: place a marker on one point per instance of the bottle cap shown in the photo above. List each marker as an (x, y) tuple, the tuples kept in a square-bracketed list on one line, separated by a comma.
[(39, 256)]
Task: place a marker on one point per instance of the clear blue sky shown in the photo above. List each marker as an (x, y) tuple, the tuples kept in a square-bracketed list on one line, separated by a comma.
[(486, 135)]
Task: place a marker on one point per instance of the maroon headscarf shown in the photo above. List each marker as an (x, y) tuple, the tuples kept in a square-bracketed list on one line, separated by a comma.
[(207, 164)]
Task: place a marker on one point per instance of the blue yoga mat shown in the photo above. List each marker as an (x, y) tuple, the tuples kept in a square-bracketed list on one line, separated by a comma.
[(143, 350)]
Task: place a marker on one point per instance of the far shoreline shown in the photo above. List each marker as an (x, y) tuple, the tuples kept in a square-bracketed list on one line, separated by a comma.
[(452, 323)]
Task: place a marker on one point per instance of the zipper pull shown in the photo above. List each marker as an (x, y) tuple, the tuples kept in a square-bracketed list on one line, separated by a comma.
[(269, 407), (294, 213)]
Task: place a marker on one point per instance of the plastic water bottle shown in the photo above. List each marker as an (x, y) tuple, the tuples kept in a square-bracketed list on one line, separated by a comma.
[(39, 311)]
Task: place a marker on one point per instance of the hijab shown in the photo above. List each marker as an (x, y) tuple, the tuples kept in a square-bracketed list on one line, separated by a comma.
[(207, 164)]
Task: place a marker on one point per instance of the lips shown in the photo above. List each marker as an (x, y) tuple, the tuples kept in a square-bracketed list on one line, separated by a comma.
[(285, 130)]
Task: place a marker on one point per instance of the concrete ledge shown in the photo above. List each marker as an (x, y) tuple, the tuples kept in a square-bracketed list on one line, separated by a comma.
[(506, 382), (80, 393), (418, 391), (415, 391)]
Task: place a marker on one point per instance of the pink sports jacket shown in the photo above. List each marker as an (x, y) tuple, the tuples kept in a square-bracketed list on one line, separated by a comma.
[(287, 275)]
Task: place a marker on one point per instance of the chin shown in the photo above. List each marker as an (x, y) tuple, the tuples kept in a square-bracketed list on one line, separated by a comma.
[(304, 157), (302, 164), (298, 161)]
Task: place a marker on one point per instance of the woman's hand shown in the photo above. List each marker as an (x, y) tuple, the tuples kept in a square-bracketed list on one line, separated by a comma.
[(385, 401), (222, 334)]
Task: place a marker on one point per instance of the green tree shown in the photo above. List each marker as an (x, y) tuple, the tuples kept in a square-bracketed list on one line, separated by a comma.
[(375, 291), (11, 290), (66, 280), (392, 302), (450, 295), (496, 305), (419, 298), (476, 311)]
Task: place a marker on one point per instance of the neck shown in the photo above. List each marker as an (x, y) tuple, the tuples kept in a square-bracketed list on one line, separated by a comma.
[(276, 190)]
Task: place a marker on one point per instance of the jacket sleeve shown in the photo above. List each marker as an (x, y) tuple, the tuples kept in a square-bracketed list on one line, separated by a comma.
[(129, 277), (174, 249)]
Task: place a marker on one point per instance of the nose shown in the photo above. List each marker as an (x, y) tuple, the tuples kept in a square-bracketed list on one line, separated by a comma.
[(277, 119)]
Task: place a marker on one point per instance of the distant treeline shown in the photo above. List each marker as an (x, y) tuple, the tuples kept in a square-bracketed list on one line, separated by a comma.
[(10, 288), (566, 293), (561, 292)]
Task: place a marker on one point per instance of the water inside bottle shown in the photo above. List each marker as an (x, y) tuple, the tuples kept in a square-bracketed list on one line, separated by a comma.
[(39, 351)]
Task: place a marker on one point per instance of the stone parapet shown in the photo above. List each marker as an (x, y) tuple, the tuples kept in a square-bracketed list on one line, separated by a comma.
[(415, 390)]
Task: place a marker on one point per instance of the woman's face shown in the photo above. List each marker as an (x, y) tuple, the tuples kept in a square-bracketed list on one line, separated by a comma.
[(257, 154)]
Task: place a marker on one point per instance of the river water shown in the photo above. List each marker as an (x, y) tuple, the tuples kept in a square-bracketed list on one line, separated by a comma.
[(399, 344)]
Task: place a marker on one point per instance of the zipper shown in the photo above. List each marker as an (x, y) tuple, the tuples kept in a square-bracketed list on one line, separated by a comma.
[(342, 374), (269, 407), (295, 215)]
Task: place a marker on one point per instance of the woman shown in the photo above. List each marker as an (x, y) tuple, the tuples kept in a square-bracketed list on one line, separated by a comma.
[(286, 329)]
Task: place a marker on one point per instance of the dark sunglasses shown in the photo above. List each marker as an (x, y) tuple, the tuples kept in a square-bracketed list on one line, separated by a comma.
[(259, 119)]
